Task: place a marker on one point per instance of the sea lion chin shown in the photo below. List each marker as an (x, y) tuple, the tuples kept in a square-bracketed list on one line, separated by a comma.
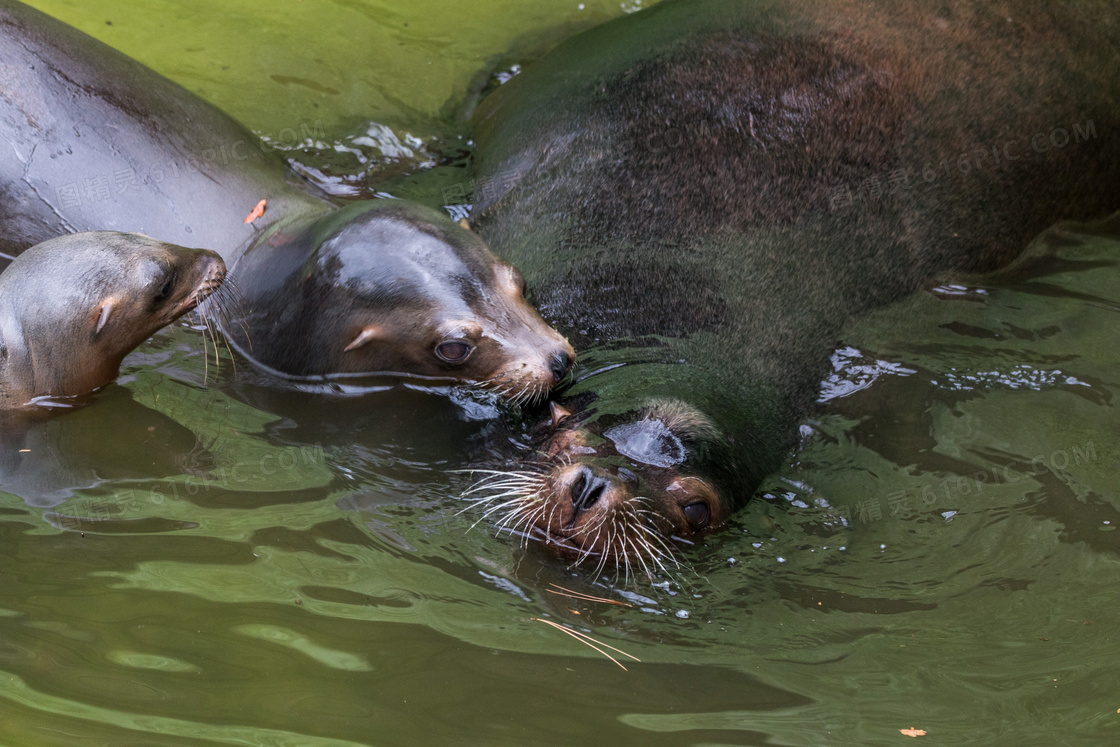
[(73, 307), (392, 287)]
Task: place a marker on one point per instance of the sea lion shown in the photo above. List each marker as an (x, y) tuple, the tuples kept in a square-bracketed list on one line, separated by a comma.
[(73, 307), (740, 180), (98, 141), (438, 305)]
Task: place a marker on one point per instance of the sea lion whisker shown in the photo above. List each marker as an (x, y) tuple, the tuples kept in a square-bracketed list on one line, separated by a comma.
[(585, 640), (592, 537), (638, 556), (492, 502), (512, 519), (231, 307), (197, 313), (499, 485), (495, 478), (513, 505), (620, 553), (214, 344), (530, 519), (473, 470), (500, 490), (657, 546), (655, 539), (603, 554), (657, 561), (494, 482), (640, 543), (212, 323), (530, 532), (555, 505), (653, 553), (605, 519), (585, 551), (519, 500), (529, 394), (217, 332), (661, 559)]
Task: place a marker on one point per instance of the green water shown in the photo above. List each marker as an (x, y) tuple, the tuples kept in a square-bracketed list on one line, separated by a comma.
[(200, 559)]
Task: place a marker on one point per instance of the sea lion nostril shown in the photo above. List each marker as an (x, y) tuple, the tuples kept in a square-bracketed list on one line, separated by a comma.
[(561, 363), (587, 489)]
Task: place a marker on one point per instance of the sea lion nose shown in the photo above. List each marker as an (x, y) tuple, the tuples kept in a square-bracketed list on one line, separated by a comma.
[(561, 364), (587, 488)]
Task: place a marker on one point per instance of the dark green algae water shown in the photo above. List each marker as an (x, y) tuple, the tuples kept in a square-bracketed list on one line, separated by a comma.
[(199, 559)]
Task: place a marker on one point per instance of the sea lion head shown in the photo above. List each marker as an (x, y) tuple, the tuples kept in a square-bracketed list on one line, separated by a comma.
[(71, 308), (391, 287), (623, 491)]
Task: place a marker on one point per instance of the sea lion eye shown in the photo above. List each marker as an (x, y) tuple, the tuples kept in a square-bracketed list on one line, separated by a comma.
[(698, 514), (454, 351), (166, 288)]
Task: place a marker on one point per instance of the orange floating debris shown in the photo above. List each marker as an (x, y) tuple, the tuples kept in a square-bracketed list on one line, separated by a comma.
[(258, 211), (912, 732)]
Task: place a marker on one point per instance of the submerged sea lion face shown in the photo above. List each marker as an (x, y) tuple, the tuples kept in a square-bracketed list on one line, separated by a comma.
[(71, 308), (390, 287), (624, 497)]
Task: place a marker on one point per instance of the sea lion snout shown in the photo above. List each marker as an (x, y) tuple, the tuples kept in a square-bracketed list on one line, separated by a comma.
[(214, 276), (531, 360)]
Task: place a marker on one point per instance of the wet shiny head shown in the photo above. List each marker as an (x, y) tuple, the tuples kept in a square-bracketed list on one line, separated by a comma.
[(71, 308), (392, 287), (624, 495)]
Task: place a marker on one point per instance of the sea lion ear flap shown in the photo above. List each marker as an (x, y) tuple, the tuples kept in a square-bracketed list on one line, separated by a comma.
[(103, 314), (559, 414), (368, 333)]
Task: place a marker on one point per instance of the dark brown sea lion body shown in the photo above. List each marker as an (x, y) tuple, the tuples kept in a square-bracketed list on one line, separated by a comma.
[(96, 141), (738, 180), (73, 307)]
